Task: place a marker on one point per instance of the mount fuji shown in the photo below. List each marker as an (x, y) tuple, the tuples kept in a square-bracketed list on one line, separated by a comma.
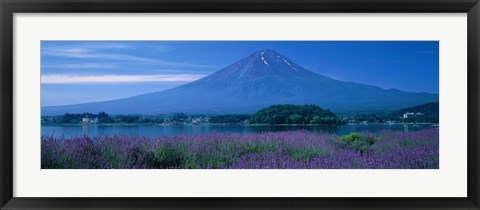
[(257, 81)]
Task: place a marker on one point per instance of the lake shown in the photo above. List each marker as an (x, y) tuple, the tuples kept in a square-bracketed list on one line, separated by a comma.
[(171, 130)]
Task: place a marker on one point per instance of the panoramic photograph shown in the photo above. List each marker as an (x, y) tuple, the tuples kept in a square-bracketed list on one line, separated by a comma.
[(239, 105)]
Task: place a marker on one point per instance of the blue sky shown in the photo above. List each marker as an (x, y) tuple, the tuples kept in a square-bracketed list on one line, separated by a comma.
[(80, 71)]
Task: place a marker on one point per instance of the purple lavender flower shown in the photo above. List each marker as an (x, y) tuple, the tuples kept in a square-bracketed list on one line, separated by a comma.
[(269, 150)]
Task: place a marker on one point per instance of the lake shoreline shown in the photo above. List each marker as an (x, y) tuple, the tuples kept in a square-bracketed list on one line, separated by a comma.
[(226, 124), (154, 130)]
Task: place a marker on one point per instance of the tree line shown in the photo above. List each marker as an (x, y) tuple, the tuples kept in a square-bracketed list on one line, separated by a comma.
[(101, 117), (275, 114), (295, 114)]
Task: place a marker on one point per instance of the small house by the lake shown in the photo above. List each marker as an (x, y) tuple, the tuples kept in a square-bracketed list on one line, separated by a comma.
[(88, 120), (412, 115)]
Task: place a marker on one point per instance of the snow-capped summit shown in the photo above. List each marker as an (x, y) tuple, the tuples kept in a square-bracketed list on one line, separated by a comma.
[(262, 63)]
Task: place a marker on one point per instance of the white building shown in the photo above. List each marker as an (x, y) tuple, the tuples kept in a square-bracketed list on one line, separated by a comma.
[(412, 115), (87, 120)]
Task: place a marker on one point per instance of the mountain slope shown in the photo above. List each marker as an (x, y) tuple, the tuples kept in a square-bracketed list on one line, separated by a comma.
[(257, 81), (430, 110)]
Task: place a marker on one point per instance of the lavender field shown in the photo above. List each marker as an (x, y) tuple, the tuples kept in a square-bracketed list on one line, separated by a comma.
[(269, 150)]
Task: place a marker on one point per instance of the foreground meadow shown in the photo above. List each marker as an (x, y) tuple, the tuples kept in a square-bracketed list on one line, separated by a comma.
[(270, 150)]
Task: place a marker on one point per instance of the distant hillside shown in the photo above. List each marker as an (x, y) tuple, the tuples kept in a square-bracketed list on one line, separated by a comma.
[(430, 110)]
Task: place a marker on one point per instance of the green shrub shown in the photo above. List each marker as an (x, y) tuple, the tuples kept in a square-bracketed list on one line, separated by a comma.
[(360, 143), (166, 156)]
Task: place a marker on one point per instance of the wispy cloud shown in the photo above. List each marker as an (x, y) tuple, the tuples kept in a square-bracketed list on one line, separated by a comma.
[(87, 52), (92, 45), (82, 52), (110, 79), (79, 65)]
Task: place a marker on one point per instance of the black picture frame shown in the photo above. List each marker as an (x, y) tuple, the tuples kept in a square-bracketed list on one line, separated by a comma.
[(9, 7)]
